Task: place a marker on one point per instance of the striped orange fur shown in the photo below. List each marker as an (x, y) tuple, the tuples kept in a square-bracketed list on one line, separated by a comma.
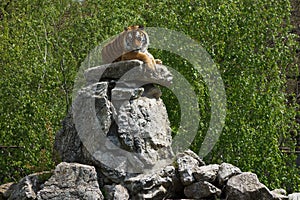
[(131, 44)]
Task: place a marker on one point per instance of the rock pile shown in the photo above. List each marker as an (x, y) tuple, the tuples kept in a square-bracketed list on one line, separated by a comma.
[(118, 123), (188, 177), (116, 144)]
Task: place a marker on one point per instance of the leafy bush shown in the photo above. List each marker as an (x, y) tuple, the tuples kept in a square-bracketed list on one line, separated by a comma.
[(42, 44)]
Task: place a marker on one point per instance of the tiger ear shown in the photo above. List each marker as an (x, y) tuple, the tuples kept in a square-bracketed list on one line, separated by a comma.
[(125, 28), (141, 27)]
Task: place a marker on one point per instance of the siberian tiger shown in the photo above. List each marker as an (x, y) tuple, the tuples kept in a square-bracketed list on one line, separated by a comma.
[(131, 44)]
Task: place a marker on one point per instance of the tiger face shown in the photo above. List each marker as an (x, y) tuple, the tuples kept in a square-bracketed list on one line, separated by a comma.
[(136, 39)]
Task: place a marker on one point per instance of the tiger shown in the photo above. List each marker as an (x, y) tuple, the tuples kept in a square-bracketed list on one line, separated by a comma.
[(131, 44)]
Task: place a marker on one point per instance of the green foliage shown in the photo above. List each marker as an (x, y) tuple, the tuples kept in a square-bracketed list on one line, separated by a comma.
[(43, 43)]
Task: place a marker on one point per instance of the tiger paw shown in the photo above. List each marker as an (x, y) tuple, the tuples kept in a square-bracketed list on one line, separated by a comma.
[(151, 66)]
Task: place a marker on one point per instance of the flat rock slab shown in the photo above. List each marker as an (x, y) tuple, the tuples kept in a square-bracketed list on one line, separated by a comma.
[(129, 71)]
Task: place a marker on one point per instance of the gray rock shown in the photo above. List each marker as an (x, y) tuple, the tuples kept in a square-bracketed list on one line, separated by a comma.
[(119, 94), (201, 189), (226, 171), (154, 185), (67, 145), (206, 173), (116, 192), (168, 174), (144, 128), (130, 72), (188, 163), (93, 110), (246, 186), (151, 91), (156, 193), (71, 181), (279, 191), (294, 196), (118, 125), (279, 194), (193, 155), (28, 186), (6, 190), (109, 71), (112, 166)]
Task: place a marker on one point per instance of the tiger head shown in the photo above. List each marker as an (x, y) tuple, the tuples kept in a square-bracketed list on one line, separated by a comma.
[(136, 39)]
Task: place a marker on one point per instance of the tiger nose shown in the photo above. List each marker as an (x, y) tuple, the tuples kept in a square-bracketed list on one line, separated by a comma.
[(137, 43)]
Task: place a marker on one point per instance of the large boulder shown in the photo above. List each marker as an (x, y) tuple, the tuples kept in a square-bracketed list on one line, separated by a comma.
[(188, 163), (71, 181), (27, 187), (117, 122), (207, 173), (246, 186), (226, 171)]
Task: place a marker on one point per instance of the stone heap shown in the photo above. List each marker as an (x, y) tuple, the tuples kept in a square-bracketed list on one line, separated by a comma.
[(116, 144), (118, 123), (188, 177)]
